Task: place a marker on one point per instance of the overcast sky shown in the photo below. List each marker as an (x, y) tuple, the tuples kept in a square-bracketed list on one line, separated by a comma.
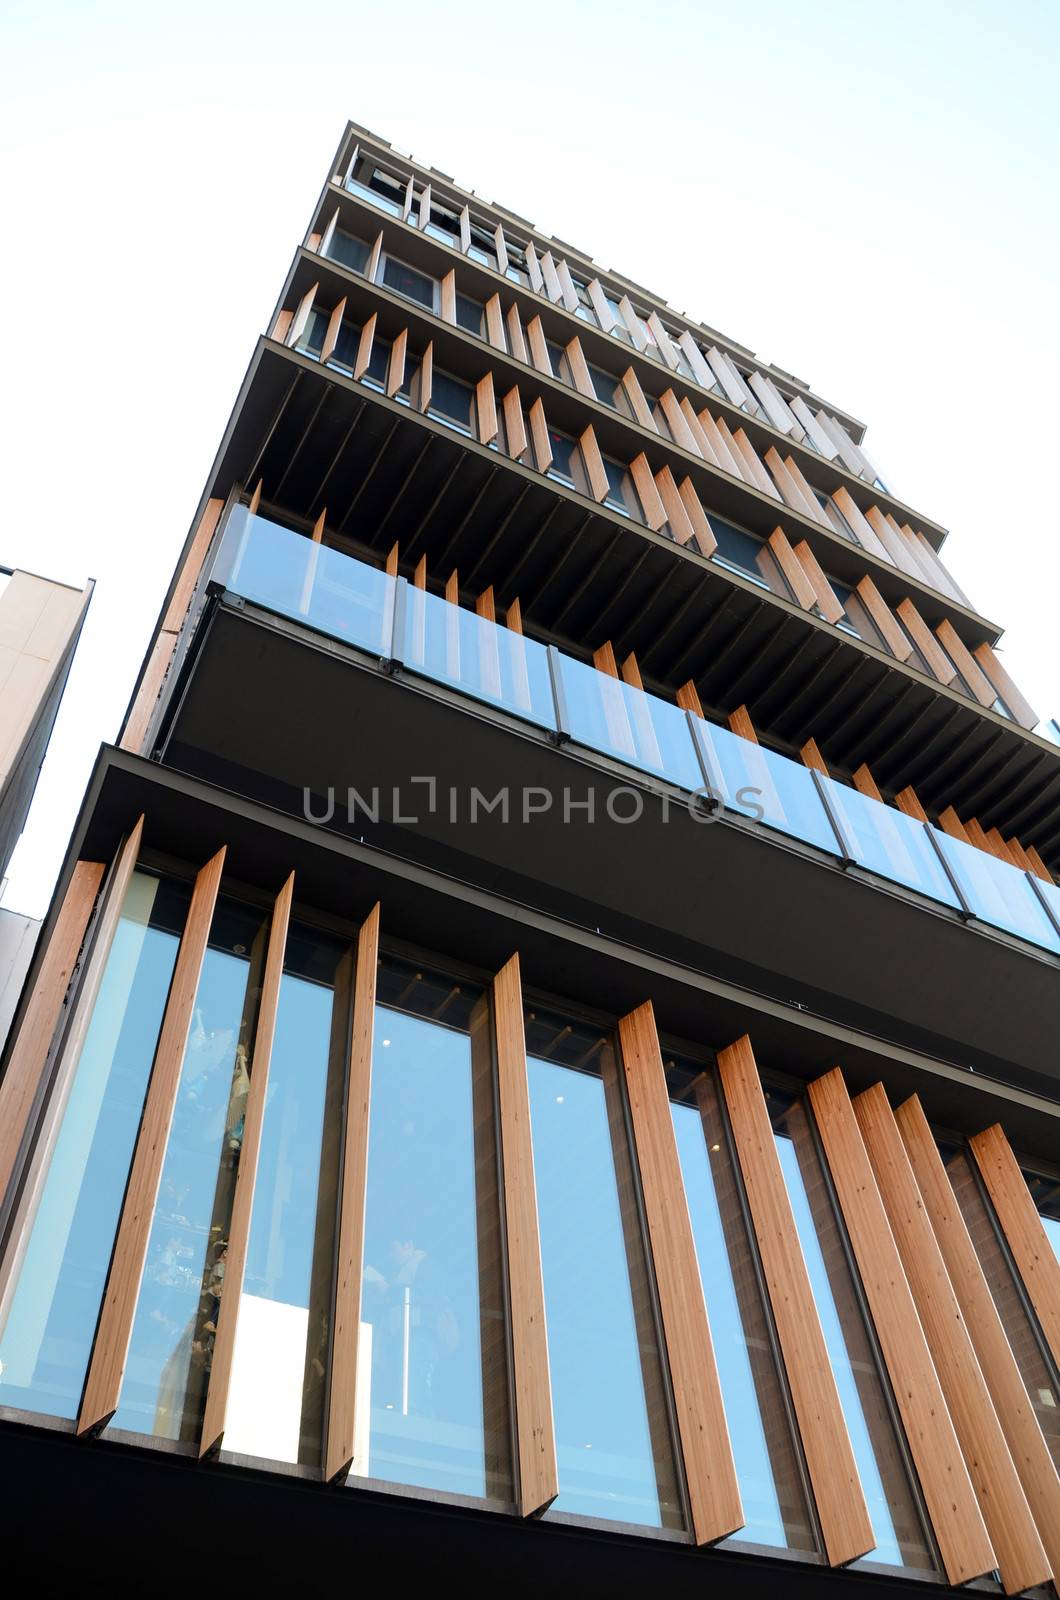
[(863, 191)]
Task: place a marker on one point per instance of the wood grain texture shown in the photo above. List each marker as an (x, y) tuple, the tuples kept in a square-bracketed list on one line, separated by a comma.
[(678, 423), (539, 436), (485, 409), (859, 524), (109, 1353), (710, 1471), (939, 663), (192, 566), (579, 369), (826, 596), (965, 663), (701, 528), (40, 1018), (364, 347), (638, 403), (425, 381), (674, 506), (740, 722), (514, 424), (948, 1494), (516, 337), (883, 620), (791, 492), (1027, 1447), (908, 800), (951, 823), (841, 1509), (644, 483), (795, 574), (720, 444), (1031, 1251), (812, 757), (754, 472), (331, 334), (535, 1433), (495, 323), (594, 464), (448, 296), (1021, 1557), (865, 783), (395, 371), (687, 698), (353, 1190), (535, 338), (213, 1423), (995, 671), (1038, 866)]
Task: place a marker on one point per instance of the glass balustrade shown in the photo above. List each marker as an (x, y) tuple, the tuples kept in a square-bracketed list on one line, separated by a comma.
[(637, 728), (307, 581), (890, 843), (767, 787), (453, 645), (998, 893), (326, 589)]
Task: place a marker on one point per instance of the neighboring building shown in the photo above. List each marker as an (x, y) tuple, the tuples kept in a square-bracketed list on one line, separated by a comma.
[(566, 805)]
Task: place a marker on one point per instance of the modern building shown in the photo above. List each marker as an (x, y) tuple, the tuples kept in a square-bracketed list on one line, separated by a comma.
[(541, 1071), (40, 625)]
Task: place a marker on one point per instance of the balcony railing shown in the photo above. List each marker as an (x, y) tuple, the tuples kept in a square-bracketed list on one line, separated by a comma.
[(349, 600)]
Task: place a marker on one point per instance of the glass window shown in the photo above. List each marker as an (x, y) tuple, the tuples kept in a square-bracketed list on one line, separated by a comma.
[(1020, 1327), (606, 387), (164, 1390), (740, 552), (564, 458), (619, 331), (351, 252), (621, 494), (756, 1403), (433, 1303), (482, 247), (385, 202), (312, 340), (613, 1442), (389, 188), (558, 357), (469, 314), (276, 1389), (901, 1540), (55, 1302), (1045, 1192), (451, 401), (408, 282), (516, 268)]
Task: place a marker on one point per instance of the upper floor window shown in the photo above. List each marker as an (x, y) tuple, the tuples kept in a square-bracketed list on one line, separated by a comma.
[(745, 553), (558, 357), (469, 314), (405, 280), (621, 495), (482, 247), (381, 188), (451, 401), (444, 225), (349, 250), (566, 460), (516, 268), (607, 388)]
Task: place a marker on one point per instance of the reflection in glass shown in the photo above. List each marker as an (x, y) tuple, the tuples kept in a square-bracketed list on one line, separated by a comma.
[(1017, 1320), (767, 1463), (613, 1439), (607, 714), (888, 842), (164, 1389), (58, 1289), (998, 893), (767, 787), (900, 1537), (276, 1392), (447, 642), (433, 1356)]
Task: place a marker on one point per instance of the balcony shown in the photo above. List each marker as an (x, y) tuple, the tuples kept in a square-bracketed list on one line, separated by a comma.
[(564, 699)]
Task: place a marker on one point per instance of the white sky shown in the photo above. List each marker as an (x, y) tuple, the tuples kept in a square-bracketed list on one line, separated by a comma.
[(864, 191)]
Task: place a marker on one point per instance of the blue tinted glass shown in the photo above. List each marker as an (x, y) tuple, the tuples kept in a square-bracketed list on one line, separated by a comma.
[(767, 1466), (307, 581), (609, 715), (612, 1439), (999, 894), (767, 787), (890, 843), (276, 1389), (453, 645), (432, 1325), (896, 1525), (166, 1372), (55, 1304)]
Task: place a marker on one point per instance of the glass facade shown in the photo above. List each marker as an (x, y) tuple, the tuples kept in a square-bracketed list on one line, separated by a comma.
[(901, 1540), (433, 1361), (58, 1285), (168, 1365), (613, 1439), (768, 1464), (277, 1385)]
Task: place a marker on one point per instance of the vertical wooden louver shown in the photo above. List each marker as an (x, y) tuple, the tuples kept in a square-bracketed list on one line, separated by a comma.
[(710, 1472), (342, 1394), (1022, 1226), (1021, 1558), (213, 1425), (841, 1507), (532, 1389), (107, 1366), (948, 1494)]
